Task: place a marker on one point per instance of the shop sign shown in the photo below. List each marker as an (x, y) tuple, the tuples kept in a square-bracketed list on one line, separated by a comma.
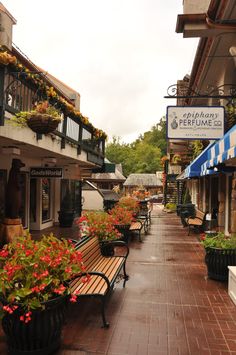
[(195, 122), (46, 172)]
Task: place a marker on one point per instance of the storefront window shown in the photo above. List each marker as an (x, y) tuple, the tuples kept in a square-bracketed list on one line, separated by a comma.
[(46, 191)]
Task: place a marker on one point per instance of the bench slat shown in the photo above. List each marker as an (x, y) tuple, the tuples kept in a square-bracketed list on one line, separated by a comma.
[(97, 285)]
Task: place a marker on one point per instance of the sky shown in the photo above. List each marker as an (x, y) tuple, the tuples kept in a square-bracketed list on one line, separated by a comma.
[(120, 55)]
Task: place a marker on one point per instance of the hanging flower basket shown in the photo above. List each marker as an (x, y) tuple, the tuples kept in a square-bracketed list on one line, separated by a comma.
[(42, 123)]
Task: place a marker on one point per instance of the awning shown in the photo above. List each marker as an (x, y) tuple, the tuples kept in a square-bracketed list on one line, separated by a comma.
[(195, 168), (223, 150), (205, 171)]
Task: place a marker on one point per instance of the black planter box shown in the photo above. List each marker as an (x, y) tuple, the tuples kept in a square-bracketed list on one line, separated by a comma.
[(217, 261)]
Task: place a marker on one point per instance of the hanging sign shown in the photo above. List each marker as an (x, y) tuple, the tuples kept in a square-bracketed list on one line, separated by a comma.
[(195, 122), (46, 172)]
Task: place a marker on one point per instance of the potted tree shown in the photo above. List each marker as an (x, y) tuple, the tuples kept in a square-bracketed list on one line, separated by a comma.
[(220, 253), (33, 291)]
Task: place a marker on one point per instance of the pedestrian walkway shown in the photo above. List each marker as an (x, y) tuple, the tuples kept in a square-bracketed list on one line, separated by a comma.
[(168, 306)]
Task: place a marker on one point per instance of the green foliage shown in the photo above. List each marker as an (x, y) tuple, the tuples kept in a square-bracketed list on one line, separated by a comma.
[(143, 155), (43, 108), (170, 206), (197, 147), (230, 111), (220, 241)]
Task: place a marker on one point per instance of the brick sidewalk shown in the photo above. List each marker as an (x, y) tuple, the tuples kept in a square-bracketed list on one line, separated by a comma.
[(168, 306)]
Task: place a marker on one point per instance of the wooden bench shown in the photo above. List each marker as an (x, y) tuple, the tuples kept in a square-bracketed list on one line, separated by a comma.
[(146, 217), (137, 226), (104, 271), (196, 223), (143, 222)]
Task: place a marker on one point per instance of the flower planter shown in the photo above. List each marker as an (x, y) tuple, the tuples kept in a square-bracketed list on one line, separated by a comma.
[(66, 218), (41, 335), (124, 230), (217, 261), (107, 248), (42, 123)]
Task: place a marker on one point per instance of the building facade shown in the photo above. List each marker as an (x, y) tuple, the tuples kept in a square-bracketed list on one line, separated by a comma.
[(55, 163), (211, 177)]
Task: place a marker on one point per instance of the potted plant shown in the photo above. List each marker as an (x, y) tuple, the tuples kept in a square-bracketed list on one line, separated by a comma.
[(220, 253), (100, 225), (66, 214), (130, 204), (122, 219), (33, 292), (43, 119), (170, 207)]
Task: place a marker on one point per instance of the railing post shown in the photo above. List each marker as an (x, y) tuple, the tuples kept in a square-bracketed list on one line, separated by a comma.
[(64, 130), (2, 95), (80, 139)]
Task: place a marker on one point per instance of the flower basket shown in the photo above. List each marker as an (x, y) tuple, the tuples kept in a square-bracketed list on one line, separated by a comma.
[(42, 335), (34, 288), (217, 261), (42, 123)]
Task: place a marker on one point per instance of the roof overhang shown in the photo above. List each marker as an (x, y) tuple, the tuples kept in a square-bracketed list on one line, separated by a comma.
[(200, 25)]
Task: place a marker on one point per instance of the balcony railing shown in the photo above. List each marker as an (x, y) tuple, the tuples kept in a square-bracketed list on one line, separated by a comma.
[(17, 94)]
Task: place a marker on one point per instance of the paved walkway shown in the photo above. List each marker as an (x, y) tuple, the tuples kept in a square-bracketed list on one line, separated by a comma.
[(168, 306)]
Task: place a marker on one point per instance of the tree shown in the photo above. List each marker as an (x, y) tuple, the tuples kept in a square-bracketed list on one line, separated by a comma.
[(143, 155)]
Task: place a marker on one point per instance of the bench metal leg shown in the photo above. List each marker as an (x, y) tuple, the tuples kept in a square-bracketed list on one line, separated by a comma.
[(103, 303), (146, 226), (126, 277)]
